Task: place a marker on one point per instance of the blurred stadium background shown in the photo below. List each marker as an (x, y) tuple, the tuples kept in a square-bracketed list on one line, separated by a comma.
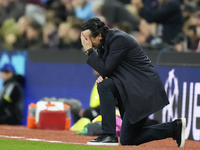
[(41, 38)]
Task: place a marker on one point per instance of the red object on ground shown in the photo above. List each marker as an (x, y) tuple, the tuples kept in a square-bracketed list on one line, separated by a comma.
[(31, 117), (68, 117), (54, 120)]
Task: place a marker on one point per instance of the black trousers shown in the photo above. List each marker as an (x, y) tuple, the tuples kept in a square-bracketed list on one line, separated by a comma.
[(131, 134)]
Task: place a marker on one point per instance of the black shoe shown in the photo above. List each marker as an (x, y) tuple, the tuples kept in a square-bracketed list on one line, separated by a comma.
[(179, 131), (104, 140)]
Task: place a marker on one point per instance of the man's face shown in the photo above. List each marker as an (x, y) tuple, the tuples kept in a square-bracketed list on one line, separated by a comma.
[(96, 42)]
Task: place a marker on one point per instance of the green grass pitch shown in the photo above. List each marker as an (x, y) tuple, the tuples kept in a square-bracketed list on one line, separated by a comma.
[(7, 144)]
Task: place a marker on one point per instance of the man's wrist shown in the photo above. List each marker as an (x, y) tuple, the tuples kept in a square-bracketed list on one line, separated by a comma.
[(88, 51)]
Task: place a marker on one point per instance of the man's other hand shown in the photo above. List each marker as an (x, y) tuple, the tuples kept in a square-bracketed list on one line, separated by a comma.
[(100, 79)]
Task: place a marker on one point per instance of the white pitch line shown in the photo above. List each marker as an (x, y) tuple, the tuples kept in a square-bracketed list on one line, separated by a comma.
[(12, 137), (38, 140)]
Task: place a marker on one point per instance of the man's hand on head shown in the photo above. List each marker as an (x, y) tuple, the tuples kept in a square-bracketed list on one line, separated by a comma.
[(85, 41)]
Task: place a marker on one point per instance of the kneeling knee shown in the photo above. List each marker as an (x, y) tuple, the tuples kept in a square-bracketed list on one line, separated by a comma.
[(124, 142), (127, 142)]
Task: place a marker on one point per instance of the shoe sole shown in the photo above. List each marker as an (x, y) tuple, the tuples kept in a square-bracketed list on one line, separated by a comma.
[(98, 143), (183, 132)]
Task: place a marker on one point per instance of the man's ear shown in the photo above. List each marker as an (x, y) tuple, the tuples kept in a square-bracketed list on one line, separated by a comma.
[(99, 36)]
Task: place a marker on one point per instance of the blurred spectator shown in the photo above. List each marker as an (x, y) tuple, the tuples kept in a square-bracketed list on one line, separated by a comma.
[(56, 12), (34, 9), (60, 26), (50, 35), (150, 4), (133, 10), (124, 26), (169, 15), (193, 20), (74, 36), (36, 2), (188, 10), (63, 38), (13, 34), (23, 24), (125, 1), (68, 7), (48, 3), (11, 96), (189, 40), (34, 36), (180, 43), (9, 33), (194, 36), (11, 9), (50, 16), (114, 12), (146, 32), (74, 20), (83, 9), (191, 30), (69, 36)]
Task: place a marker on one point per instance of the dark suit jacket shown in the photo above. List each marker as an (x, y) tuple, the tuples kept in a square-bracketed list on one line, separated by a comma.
[(139, 85)]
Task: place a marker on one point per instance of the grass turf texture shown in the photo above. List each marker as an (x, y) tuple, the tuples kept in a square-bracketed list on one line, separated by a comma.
[(7, 144)]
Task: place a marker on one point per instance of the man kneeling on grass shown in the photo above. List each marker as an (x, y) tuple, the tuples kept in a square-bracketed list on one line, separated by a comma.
[(127, 78)]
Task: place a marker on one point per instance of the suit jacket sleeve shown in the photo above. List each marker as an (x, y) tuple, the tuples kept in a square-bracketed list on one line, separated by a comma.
[(118, 49), (160, 15)]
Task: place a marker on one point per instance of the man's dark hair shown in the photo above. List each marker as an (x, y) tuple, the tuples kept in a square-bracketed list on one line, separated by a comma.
[(96, 26)]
